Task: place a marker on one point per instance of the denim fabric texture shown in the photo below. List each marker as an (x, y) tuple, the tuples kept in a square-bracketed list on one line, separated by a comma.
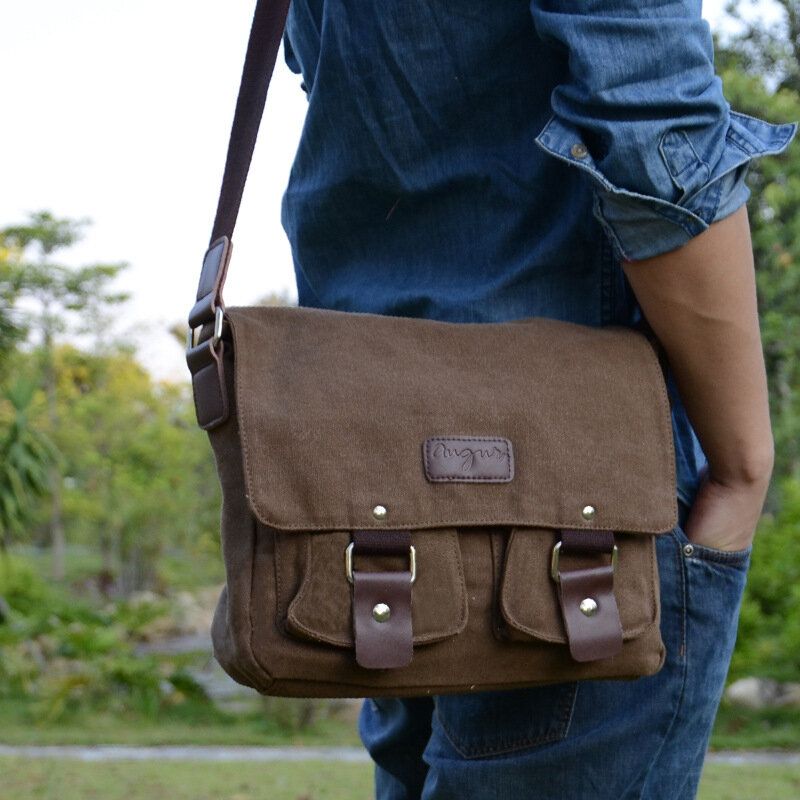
[(485, 160), (488, 160)]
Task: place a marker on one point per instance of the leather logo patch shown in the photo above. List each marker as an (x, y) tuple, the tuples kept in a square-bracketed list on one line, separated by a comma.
[(468, 459)]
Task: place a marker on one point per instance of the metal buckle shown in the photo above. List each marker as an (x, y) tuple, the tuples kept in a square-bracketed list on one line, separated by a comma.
[(348, 562), (219, 320), (554, 560)]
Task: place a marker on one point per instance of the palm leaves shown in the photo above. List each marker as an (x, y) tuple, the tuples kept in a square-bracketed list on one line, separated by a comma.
[(26, 455)]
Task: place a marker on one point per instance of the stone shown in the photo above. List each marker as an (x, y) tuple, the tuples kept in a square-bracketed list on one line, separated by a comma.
[(760, 693), (5, 610)]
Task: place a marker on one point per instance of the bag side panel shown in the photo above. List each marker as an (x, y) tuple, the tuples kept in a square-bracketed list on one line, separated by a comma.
[(232, 628)]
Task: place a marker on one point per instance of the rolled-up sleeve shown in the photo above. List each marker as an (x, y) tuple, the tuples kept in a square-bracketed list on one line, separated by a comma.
[(643, 115)]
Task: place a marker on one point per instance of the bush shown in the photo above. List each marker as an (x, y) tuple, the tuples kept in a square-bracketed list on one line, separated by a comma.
[(769, 629), (65, 655)]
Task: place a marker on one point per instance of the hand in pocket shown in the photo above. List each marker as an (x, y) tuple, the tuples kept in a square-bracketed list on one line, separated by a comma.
[(724, 517)]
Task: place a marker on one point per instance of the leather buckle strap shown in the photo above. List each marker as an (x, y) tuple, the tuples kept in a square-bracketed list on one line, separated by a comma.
[(205, 352), (206, 362), (586, 594), (212, 279), (348, 562), (382, 600)]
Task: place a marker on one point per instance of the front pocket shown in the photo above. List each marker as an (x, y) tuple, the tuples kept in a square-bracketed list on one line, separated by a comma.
[(730, 558), (529, 603), (317, 597)]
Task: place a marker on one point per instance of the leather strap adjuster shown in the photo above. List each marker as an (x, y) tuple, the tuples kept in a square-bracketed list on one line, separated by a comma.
[(382, 601), (586, 595)]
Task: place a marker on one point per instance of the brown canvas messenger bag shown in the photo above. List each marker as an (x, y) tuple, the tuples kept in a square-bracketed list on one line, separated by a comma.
[(415, 507)]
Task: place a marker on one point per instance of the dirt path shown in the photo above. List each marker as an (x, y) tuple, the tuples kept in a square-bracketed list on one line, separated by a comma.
[(353, 755), (186, 753)]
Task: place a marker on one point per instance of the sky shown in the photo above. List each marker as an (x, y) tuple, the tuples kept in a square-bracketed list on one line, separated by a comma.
[(119, 112)]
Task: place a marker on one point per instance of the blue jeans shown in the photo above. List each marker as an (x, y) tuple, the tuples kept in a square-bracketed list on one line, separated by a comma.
[(604, 740)]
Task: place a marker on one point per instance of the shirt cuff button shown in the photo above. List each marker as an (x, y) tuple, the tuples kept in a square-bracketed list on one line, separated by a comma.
[(578, 150)]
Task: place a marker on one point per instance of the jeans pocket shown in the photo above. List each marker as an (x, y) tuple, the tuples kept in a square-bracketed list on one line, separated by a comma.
[(504, 722), (736, 559)]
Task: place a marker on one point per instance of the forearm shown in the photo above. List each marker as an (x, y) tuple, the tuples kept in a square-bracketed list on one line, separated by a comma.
[(701, 303), (700, 300)]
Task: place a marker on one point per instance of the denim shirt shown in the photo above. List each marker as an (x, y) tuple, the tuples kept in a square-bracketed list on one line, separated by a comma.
[(487, 160)]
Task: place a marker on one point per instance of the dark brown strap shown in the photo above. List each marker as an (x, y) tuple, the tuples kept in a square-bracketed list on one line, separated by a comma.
[(586, 596), (382, 543), (204, 353), (266, 31), (209, 388), (263, 45), (586, 541), (382, 603)]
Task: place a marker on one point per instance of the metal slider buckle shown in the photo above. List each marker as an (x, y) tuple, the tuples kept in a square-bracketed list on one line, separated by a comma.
[(219, 320), (554, 562), (348, 562)]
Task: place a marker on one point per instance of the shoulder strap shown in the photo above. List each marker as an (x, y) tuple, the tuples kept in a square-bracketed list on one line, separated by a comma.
[(266, 32), (262, 52)]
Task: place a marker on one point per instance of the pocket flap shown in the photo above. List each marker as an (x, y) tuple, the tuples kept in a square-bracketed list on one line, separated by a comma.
[(529, 596), (322, 609)]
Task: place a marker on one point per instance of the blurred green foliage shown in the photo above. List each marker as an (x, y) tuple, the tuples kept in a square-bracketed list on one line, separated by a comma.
[(769, 629), (26, 455), (67, 654), (137, 474)]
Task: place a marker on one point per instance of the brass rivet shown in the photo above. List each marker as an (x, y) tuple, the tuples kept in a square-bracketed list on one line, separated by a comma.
[(588, 512), (381, 612), (688, 550), (579, 150), (588, 607), (379, 512)]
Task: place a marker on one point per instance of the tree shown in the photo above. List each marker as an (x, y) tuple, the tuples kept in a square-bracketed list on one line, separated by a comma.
[(761, 75), (63, 300), (142, 480), (768, 51), (25, 458), (10, 277)]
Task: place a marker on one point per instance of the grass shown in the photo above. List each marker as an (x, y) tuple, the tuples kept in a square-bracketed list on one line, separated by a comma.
[(773, 782), (186, 724), (70, 780), (770, 729), (202, 723)]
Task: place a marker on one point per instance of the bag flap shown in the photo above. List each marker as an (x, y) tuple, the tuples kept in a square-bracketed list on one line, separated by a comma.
[(341, 414)]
